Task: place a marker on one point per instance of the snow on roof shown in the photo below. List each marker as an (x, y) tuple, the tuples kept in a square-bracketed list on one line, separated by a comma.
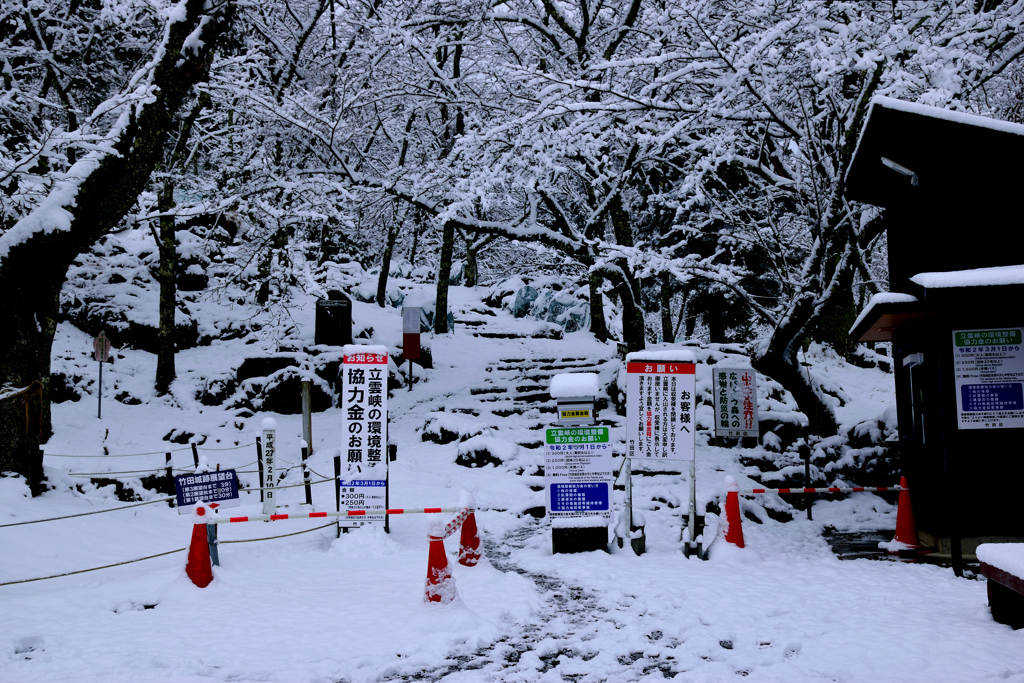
[(1006, 556), (883, 298), (353, 349), (977, 277), (947, 115), (677, 355), (573, 384)]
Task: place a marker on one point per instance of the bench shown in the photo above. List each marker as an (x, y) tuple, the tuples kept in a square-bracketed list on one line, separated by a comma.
[(1003, 565)]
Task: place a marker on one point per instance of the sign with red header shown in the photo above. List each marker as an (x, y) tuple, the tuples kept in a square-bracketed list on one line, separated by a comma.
[(660, 406), (735, 393), (364, 409)]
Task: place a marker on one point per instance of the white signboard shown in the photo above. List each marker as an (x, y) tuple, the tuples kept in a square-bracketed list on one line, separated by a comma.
[(578, 476), (735, 392), (364, 433), (660, 409), (988, 367), (269, 461)]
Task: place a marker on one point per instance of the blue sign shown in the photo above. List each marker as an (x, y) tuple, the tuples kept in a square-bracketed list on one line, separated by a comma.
[(582, 497), (220, 488), (987, 397)]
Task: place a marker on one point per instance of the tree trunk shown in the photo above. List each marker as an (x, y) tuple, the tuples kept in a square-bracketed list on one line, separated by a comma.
[(470, 274), (780, 362), (598, 325), (35, 254), (168, 249), (634, 328), (668, 331), (385, 266), (417, 228), (444, 271)]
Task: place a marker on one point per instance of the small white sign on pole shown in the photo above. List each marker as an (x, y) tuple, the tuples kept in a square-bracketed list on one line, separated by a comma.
[(364, 433), (735, 392), (660, 405), (269, 456)]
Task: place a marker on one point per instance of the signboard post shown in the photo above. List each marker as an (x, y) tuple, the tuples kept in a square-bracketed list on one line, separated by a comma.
[(578, 484), (364, 434), (100, 351), (735, 394), (989, 378), (411, 336), (661, 416)]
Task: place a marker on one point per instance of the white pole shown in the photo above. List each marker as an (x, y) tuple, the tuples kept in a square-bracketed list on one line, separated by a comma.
[(269, 455), (693, 503), (629, 501)]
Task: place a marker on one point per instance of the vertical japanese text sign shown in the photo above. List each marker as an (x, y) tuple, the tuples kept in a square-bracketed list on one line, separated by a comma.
[(269, 455), (735, 392), (660, 406), (364, 438)]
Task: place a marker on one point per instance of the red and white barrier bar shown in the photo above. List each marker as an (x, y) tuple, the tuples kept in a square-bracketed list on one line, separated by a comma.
[(833, 489), (321, 515), (453, 526)]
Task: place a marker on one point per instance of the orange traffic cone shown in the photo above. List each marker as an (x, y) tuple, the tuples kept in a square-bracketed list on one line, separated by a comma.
[(198, 567), (440, 584), (733, 524), (906, 529), (469, 542)]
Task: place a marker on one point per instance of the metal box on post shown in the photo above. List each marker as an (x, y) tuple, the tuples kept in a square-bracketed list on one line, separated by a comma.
[(333, 320)]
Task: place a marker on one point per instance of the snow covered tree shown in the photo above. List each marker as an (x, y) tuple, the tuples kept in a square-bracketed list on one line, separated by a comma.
[(84, 126)]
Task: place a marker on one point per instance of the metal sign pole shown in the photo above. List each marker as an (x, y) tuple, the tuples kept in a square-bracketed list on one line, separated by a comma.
[(99, 395)]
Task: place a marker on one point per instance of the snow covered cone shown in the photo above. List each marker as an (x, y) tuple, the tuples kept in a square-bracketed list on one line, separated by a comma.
[(469, 541), (440, 585), (906, 528), (198, 568), (733, 522)]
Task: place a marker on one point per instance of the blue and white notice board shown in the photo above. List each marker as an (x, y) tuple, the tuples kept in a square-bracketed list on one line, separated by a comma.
[(988, 367), (578, 476), (218, 489)]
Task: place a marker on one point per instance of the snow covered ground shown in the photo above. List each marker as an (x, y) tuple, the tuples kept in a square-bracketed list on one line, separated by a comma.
[(312, 607)]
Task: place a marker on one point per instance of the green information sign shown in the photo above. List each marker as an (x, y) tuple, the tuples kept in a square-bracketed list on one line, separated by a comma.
[(578, 435), (987, 337)]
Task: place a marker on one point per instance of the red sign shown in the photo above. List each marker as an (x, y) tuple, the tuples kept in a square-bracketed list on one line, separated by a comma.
[(411, 346), (101, 348), (662, 368)]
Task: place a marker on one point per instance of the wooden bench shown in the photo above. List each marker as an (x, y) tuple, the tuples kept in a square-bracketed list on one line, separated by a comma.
[(1003, 565)]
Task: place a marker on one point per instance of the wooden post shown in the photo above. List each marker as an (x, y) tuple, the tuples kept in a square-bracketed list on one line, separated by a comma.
[(410, 374), (259, 464), (195, 455), (807, 480), (307, 415), (305, 476)]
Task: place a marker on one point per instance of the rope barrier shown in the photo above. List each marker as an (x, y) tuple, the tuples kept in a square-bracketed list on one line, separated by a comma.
[(101, 474), (833, 489), (169, 552), (93, 569), (133, 455), (319, 515), (270, 538), (86, 514)]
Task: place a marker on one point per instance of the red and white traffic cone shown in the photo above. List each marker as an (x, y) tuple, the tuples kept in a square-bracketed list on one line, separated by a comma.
[(440, 585), (733, 523), (906, 528), (469, 541), (198, 567)]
